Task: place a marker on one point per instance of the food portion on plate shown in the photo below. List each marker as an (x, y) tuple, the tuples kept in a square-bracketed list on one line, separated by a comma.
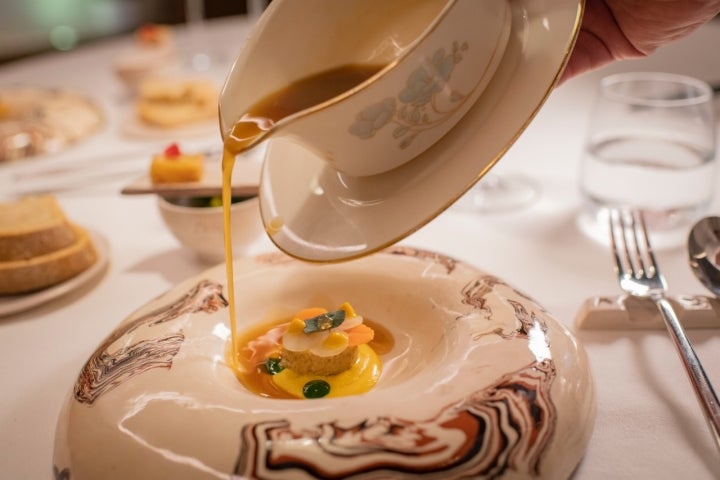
[(175, 166), (170, 102), (316, 353), (152, 50), (39, 246), (34, 121), (176, 171)]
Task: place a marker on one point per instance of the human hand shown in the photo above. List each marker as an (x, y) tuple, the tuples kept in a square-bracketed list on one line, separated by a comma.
[(622, 29)]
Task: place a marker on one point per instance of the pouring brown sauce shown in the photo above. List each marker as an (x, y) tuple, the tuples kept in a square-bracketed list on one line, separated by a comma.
[(257, 122)]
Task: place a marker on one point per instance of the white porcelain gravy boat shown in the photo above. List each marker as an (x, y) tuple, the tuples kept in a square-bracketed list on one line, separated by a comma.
[(436, 57)]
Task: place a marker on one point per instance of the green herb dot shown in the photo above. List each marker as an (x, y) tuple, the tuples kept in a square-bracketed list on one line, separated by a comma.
[(273, 366), (316, 389)]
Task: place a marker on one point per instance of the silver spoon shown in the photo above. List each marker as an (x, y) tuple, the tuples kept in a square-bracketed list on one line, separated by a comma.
[(704, 252)]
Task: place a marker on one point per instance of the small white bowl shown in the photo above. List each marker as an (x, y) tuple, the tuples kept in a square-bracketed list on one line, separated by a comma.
[(200, 228)]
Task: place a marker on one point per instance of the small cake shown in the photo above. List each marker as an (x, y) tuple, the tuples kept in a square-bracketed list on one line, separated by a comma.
[(317, 342), (153, 35), (174, 166), (152, 51), (170, 103), (317, 353)]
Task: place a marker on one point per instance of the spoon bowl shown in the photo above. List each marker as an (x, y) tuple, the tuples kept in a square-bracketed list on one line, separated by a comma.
[(704, 252)]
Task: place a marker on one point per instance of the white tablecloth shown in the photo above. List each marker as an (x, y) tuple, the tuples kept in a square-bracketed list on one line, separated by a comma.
[(648, 423)]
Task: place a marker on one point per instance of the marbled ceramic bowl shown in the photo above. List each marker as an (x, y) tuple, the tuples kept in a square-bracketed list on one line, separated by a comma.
[(481, 382)]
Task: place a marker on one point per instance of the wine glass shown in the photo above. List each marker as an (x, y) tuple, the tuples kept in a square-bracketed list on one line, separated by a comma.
[(198, 59), (255, 8), (497, 192), (650, 145)]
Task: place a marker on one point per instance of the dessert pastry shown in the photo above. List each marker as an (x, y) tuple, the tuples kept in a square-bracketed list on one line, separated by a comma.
[(172, 103), (39, 247), (174, 166), (316, 354), (152, 35)]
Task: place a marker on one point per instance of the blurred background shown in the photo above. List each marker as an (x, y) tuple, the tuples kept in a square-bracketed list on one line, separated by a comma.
[(29, 27)]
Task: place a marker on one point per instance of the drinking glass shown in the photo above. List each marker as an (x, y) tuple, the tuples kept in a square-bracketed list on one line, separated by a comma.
[(255, 8), (650, 145), (198, 59), (498, 193)]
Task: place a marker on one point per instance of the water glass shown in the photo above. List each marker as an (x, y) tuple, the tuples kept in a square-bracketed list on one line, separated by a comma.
[(650, 145)]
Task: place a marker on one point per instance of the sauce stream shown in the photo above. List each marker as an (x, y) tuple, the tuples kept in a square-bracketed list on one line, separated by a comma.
[(255, 124)]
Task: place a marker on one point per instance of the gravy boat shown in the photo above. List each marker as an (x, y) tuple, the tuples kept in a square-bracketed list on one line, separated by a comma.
[(437, 56)]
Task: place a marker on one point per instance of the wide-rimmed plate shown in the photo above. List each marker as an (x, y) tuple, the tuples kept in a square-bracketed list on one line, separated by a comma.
[(318, 214), (39, 120), (133, 127), (10, 304), (481, 382)]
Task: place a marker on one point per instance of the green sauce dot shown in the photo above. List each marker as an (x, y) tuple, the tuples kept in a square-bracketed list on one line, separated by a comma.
[(273, 366), (316, 389)]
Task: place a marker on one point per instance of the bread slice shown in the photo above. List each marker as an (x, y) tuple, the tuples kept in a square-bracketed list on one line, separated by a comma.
[(31, 227), (23, 276)]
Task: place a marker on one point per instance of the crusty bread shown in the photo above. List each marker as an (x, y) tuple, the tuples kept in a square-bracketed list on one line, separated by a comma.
[(22, 276), (32, 227)]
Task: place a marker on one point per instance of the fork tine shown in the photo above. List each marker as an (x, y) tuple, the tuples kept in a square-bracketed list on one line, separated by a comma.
[(635, 228), (645, 281), (650, 265), (631, 243), (625, 244), (616, 232)]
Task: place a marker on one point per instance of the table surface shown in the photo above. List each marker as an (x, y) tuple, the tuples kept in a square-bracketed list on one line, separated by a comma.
[(648, 422)]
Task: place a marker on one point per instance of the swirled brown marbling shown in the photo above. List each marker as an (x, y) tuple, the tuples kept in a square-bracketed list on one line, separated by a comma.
[(107, 369), (506, 425)]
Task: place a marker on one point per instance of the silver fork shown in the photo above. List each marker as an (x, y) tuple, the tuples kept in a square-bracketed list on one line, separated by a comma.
[(640, 276)]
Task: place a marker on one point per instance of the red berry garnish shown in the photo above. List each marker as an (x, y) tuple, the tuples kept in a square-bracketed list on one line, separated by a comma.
[(172, 150)]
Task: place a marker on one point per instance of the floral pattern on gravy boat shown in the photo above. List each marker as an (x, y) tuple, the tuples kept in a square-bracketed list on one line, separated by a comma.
[(482, 382), (419, 106)]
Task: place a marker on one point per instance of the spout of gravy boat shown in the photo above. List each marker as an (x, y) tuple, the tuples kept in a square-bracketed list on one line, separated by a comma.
[(426, 62)]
